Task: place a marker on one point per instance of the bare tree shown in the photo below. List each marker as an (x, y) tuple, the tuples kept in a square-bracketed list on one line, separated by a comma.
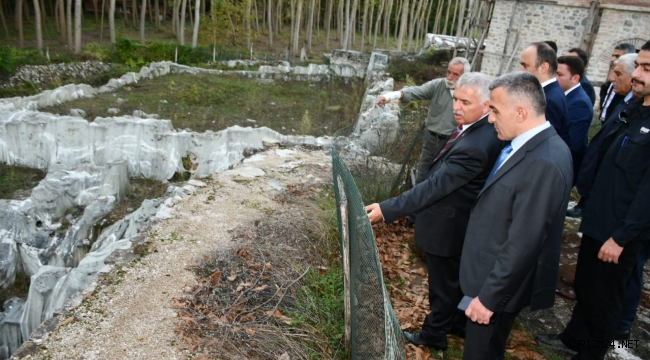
[(269, 21), (61, 8), (340, 20), (411, 23), (378, 22), (4, 22), (156, 4), (328, 22), (346, 37), (19, 22), (175, 17), (111, 20), (68, 16), (181, 30), (124, 9), (247, 21), (364, 22), (310, 24), (296, 30), (197, 15), (77, 27), (142, 18), (39, 31), (402, 27), (389, 10)]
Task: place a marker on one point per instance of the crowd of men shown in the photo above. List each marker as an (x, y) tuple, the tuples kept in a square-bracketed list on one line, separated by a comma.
[(498, 163)]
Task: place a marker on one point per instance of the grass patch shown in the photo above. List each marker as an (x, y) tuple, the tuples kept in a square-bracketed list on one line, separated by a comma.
[(17, 181), (19, 288), (201, 103)]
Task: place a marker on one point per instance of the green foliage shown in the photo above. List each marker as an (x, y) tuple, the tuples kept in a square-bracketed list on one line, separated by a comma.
[(93, 50), (134, 55), (305, 124), (429, 66), (13, 178), (12, 58)]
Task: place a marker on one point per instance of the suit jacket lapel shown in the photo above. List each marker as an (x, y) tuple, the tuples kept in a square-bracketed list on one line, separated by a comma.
[(520, 155), (480, 122)]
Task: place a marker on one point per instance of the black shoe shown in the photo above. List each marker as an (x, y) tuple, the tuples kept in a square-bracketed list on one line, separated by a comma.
[(622, 335), (575, 212), (553, 341), (415, 339)]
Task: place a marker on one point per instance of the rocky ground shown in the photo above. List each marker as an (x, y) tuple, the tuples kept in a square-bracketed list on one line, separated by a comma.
[(129, 314)]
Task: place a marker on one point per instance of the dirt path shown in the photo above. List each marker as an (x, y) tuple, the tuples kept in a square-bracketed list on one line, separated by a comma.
[(129, 316)]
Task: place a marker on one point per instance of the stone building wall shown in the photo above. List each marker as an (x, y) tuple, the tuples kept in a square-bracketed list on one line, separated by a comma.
[(564, 23), (618, 24), (535, 21)]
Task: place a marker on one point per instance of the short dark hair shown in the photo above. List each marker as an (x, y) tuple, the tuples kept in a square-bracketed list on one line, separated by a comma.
[(627, 47), (575, 65), (552, 44), (646, 46), (524, 86), (545, 54), (581, 54)]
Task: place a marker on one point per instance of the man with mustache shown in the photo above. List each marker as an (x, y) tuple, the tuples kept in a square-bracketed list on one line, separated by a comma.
[(440, 121), (442, 204), (615, 225)]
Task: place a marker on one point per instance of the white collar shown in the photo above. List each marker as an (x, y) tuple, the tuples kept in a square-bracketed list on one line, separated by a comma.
[(549, 81), (573, 88)]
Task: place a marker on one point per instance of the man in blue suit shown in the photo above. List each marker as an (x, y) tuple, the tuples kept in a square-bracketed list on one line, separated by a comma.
[(540, 60), (587, 86), (569, 72)]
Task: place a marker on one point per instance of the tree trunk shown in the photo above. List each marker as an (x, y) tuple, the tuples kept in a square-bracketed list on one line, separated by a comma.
[(411, 23), (134, 12), (4, 21), (389, 10), (19, 22), (96, 11), (453, 24), (269, 20), (101, 26), (363, 24), (111, 20), (175, 17), (402, 27), (68, 20), (278, 16), (371, 17), (377, 22), (296, 34), (156, 13), (124, 18), (197, 16), (39, 31), (247, 21), (346, 36), (398, 16), (77, 27), (43, 13), (142, 18), (26, 11), (257, 18), (445, 28), (293, 21), (340, 21), (62, 23), (310, 24), (181, 30), (328, 22), (436, 22)]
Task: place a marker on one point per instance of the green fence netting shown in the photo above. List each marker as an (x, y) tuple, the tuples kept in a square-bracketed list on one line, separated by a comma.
[(380, 172)]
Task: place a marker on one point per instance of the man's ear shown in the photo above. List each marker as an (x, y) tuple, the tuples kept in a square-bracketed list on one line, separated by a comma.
[(522, 114), (486, 107), (544, 67), (575, 78)]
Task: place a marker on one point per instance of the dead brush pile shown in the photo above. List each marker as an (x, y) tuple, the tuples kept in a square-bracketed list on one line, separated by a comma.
[(268, 297)]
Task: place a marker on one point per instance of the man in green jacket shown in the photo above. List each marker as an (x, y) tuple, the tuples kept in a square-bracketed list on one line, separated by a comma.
[(440, 121)]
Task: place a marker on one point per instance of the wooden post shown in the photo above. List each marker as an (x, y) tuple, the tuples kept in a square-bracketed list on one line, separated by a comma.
[(345, 240)]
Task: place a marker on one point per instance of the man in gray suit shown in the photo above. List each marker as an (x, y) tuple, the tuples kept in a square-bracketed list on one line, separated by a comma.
[(511, 254), (440, 121)]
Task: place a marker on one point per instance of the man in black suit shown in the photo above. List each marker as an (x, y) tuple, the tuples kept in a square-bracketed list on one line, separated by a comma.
[(511, 255), (587, 86), (569, 72), (540, 60), (442, 204), (615, 225), (609, 99)]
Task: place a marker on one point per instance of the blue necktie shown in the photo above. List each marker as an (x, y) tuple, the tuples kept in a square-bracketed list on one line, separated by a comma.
[(502, 157)]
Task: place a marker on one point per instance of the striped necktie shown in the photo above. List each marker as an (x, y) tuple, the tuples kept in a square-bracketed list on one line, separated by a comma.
[(450, 141)]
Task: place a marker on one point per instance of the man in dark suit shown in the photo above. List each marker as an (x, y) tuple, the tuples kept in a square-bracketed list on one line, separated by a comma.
[(615, 225), (442, 204), (569, 72), (587, 86), (609, 99), (621, 83), (540, 60), (511, 255)]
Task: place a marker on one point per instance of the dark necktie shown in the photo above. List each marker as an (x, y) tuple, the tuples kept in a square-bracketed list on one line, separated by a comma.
[(502, 158), (604, 111), (449, 142)]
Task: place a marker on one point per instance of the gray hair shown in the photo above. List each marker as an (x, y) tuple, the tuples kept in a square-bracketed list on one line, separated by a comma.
[(628, 62), (525, 87), (627, 47), (461, 60), (478, 81)]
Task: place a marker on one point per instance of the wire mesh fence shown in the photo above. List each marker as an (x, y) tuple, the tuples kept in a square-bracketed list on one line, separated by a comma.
[(371, 162)]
